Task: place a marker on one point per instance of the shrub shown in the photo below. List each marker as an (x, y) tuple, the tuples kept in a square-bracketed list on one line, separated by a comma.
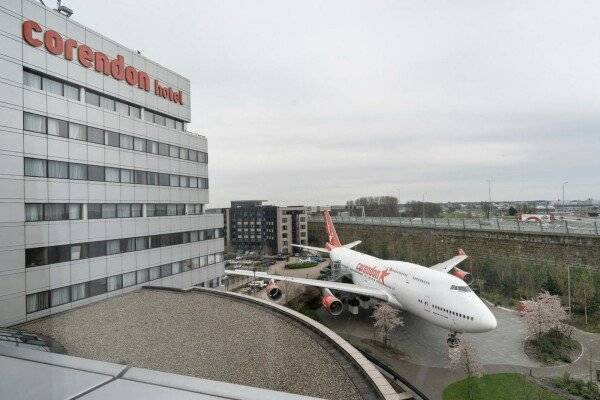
[(301, 265)]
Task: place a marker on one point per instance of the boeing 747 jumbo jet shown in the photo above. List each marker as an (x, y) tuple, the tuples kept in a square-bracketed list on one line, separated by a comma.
[(438, 294)]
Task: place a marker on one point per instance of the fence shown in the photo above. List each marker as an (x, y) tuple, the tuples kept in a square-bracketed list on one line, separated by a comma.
[(495, 224)]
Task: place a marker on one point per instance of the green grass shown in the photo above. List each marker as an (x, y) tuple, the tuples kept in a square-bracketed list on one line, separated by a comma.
[(498, 387), (301, 265)]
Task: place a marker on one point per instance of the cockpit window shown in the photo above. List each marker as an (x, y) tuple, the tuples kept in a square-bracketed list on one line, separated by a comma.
[(460, 288)]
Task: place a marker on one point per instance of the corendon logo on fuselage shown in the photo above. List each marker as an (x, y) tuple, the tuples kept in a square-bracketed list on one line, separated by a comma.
[(374, 273), (54, 44)]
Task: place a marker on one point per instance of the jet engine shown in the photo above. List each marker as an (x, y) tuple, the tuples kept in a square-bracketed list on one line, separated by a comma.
[(330, 303), (273, 291), (464, 275)]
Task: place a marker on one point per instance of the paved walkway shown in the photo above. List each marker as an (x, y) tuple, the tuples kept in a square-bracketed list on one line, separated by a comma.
[(424, 356)]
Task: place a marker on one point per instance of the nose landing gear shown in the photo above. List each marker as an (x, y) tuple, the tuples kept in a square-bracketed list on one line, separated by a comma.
[(453, 339)]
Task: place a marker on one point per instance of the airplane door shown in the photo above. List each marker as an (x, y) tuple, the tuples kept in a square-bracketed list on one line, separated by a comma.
[(427, 303)]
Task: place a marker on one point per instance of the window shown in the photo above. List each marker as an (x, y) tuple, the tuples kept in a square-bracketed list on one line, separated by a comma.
[(148, 116), (113, 247), (122, 108), (77, 252), (152, 178), (124, 210), (129, 279), (180, 209), (60, 296), (114, 283), (169, 122), (35, 167), (171, 209), (96, 287), (154, 273), (193, 181), (107, 103), (127, 245), (188, 265), (112, 174), (92, 98), (163, 179), (71, 92), (141, 243), (95, 135), (184, 181), (178, 125), (52, 86), (160, 210), (194, 236), (55, 212), (112, 139), (58, 169), (58, 254), (126, 142), (152, 147), (139, 144), (143, 276), (193, 155), (176, 268), (109, 210), (166, 270), (36, 256), (163, 149), (183, 153), (57, 127), (159, 119), (94, 211), (140, 177), (127, 176), (32, 80), (79, 291), (174, 151), (136, 210), (95, 173), (96, 249), (34, 123), (34, 212), (38, 301), (174, 180), (77, 131), (135, 111), (150, 210), (77, 171)]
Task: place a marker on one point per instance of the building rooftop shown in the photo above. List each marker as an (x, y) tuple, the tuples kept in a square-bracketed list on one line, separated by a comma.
[(203, 335)]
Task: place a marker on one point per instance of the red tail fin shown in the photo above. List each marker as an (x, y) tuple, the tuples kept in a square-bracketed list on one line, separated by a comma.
[(334, 241)]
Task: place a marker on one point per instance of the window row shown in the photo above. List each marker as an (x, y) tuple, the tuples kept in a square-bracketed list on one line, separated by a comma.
[(40, 81), (456, 314), (68, 294), (37, 167), (78, 251), (56, 127), (51, 85)]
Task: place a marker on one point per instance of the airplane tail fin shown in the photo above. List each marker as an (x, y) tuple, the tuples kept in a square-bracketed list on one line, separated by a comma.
[(334, 240)]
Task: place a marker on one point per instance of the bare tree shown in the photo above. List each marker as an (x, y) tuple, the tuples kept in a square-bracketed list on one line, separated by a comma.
[(584, 292), (464, 357), (544, 313), (290, 290), (386, 318)]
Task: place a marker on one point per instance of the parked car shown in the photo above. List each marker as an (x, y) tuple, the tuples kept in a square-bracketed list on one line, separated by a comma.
[(257, 284)]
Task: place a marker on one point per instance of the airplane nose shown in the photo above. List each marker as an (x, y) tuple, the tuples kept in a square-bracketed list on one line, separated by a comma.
[(488, 321)]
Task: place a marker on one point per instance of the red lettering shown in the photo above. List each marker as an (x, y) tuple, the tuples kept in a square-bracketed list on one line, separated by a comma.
[(180, 97), (85, 56), (117, 68), (28, 28), (53, 42), (131, 76), (101, 63), (143, 81), (70, 44)]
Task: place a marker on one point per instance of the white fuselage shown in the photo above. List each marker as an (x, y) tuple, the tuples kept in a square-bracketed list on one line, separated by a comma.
[(435, 296)]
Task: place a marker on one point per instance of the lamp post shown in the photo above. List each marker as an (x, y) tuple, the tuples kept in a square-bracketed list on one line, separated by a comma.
[(563, 193), (489, 181)]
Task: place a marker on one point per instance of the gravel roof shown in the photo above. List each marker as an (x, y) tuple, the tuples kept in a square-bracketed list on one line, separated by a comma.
[(203, 335)]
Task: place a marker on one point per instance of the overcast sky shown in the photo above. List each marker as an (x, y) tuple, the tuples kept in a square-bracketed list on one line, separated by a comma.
[(309, 102)]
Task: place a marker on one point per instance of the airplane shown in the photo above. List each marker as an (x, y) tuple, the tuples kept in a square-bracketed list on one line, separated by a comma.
[(439, 294)]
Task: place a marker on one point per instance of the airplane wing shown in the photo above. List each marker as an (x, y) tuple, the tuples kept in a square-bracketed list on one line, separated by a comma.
[(311, 248), (451, 263), (344, 287), (352, 244)]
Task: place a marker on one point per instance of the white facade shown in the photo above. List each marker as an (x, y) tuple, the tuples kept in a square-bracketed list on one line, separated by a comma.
[(143, 175)]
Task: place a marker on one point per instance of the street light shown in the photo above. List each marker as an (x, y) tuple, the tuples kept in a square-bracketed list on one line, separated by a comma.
[(489, 181), (563, 194)]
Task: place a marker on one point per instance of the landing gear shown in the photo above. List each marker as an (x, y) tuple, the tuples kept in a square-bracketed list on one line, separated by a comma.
[(453, 339)]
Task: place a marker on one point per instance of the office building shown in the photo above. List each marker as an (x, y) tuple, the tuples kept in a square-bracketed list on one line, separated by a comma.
[(102, 187)]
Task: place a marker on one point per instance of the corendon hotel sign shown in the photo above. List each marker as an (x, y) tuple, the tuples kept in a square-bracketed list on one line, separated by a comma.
[(54, 43)]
